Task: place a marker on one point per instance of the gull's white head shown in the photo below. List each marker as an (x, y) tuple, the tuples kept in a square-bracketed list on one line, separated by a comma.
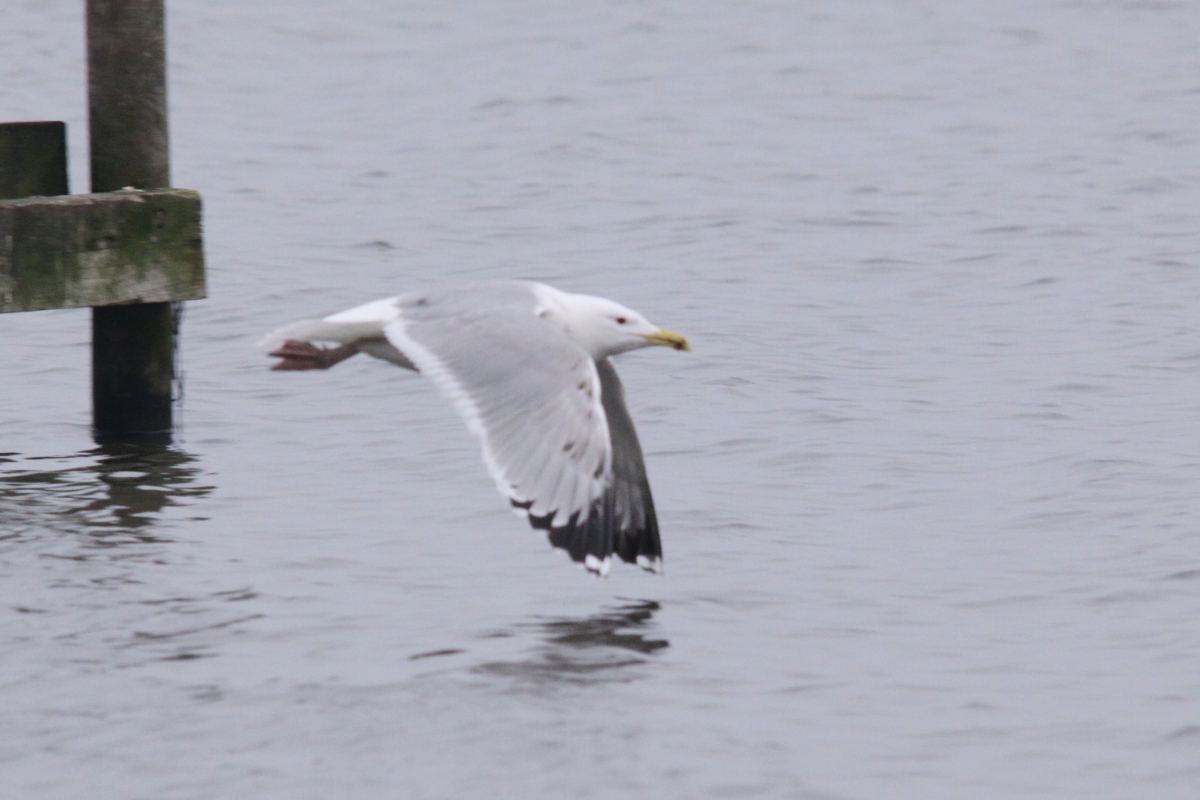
[(600, 326)]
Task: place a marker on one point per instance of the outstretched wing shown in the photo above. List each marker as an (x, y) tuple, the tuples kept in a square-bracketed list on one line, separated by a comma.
[(533, 397)]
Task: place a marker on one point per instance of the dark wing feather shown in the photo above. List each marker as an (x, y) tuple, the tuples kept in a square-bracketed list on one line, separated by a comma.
[(622, 520), (628, 500)]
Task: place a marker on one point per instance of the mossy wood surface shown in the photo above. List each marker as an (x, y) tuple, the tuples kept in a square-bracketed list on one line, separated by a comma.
[(100, 249)]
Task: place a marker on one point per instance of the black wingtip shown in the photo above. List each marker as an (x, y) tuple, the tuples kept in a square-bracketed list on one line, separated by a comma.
[(593, 541)]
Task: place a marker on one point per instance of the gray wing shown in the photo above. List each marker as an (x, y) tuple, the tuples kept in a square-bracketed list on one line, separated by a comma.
[(532, 396), (557, 437)]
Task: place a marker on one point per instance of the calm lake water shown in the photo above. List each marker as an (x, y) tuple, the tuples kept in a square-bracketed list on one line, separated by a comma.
[(929, 484)]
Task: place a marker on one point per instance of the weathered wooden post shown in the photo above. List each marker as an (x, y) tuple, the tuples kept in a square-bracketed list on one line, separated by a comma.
[(131, 250), (33, 159), (133, 346)]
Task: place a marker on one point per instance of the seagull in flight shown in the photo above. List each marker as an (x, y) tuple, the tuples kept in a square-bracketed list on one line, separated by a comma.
[(529, 369)]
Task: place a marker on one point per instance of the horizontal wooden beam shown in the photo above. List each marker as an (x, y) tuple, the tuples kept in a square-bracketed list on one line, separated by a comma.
[(102, 249)]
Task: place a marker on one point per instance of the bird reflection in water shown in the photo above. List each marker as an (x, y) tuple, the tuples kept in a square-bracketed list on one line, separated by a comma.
[(114, 492), (598, 648)]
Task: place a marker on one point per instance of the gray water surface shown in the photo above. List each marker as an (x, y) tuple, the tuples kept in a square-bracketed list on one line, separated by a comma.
[(929, 484)]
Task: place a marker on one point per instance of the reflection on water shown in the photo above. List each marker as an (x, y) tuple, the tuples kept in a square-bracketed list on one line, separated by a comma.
[(107, 506), (591, 649), (113, 492)]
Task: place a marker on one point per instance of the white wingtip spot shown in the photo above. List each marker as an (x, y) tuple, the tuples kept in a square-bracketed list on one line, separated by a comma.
[(649, 564), (596, 565)]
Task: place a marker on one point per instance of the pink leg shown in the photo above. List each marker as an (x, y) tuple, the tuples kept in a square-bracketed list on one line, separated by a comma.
[(298, 355)]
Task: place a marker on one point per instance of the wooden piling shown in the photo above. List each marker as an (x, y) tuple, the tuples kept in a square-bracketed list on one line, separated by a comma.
[(33, 159), (127, 95), (133, 346)]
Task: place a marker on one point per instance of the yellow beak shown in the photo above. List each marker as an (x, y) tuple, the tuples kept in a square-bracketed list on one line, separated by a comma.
[(668, 339)]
